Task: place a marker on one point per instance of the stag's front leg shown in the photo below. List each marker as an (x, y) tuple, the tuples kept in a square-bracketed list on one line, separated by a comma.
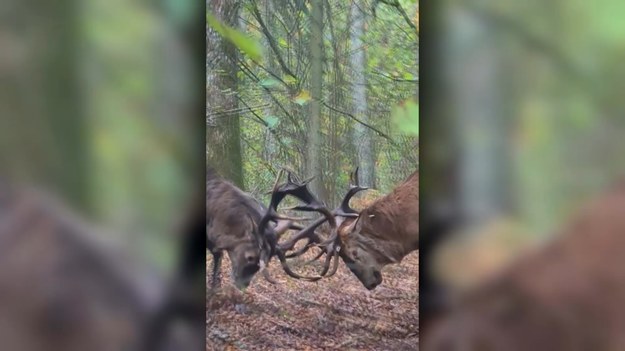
[(216, 278)]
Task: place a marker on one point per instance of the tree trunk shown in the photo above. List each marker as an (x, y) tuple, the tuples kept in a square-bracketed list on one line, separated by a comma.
[(314, 141), (223, 126), (43, 129), (361, 135), (271, 146), (478, 99)]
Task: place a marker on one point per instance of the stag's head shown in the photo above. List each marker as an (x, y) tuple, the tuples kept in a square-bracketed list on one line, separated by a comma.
[(245, 263), (381, 234), (241, 244), (359, 253)]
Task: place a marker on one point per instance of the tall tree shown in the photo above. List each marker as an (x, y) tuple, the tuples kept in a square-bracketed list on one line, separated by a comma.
[(43, 129), (314, 141), (362, 138), (223, 131)]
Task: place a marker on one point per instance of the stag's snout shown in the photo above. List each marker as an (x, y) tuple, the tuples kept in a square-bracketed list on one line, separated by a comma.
[(243, 277), (375, 280), (370, 276), (245, 264)]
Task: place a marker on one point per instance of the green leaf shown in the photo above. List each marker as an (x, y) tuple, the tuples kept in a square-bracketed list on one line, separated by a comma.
[(406, 117), (269, 82), (289, 79), (272, 121), (408, 76), (246, 44), (283, 43), (302, 98)]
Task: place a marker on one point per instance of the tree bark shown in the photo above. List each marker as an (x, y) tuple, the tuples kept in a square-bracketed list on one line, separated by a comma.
[(314, 141), (223, 125), (362, 139)]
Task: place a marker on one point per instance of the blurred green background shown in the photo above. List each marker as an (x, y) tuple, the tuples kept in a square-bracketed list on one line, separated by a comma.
[(98, 103), (530, 112)]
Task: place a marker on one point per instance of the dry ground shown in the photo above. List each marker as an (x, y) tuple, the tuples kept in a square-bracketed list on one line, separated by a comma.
[(334, 314)]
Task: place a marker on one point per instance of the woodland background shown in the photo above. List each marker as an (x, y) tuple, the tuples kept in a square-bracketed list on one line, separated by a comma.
[(321, 87)]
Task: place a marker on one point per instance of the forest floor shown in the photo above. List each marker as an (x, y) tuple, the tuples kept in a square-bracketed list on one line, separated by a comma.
[(337, 313)]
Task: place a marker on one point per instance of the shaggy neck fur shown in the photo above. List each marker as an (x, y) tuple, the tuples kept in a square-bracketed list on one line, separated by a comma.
[(389, 228)]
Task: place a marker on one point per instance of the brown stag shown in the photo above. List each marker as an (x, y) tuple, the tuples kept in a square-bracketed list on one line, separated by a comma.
[(245, 229), (232, 219), (381, 234), (567, 295), (67, 285)]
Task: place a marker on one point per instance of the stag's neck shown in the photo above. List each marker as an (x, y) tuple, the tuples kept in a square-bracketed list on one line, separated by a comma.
[(393, 221), (392, 238), (390, 251)]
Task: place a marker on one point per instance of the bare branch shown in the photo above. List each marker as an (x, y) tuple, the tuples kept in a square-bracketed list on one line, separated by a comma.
[(379, 132), (402, 12), (271, 40)]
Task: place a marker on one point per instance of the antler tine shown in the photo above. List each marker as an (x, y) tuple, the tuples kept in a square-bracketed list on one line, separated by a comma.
[(344, 209), (289, 271), (275, 184), (268, 277), (326, 264), (353, 178), (301, 191), (331, 248), (302, 250), (291, 178), (317, 256), (269, 237), (335, 267), (306, 232), (290, 218)]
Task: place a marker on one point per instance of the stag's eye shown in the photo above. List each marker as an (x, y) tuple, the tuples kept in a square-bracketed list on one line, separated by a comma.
[(251, 257)]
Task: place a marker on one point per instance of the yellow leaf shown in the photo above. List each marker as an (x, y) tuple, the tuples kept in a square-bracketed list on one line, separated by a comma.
[(302, 98)]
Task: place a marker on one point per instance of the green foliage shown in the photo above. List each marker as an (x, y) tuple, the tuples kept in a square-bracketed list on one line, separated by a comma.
[(406, 117), (269, 82), (272, 121), (246, 44), (289, 79), (283, 104), (302, 98)]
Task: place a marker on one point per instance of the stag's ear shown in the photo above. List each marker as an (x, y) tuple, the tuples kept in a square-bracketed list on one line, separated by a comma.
[(347, 227)]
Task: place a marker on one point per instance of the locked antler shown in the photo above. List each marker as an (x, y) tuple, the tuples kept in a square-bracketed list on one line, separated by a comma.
[(332, 245), (310, 204)]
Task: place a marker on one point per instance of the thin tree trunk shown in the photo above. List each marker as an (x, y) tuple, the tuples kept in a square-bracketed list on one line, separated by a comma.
[(271, 146), (477, 93), (314, 142), (223, 131), (361, 135)]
